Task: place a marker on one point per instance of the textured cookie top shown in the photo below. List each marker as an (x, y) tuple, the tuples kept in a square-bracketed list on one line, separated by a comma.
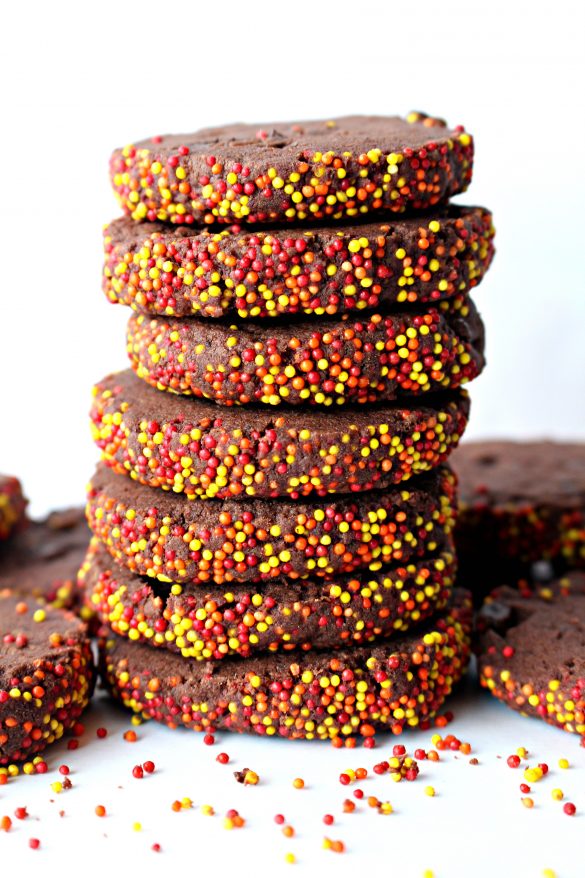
[(519, 473), (44, 558), (536, 636), (290, 172), (31, 635), (354, 134)]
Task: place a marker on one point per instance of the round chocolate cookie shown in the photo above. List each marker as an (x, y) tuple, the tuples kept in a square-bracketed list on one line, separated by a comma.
[(395, 684), (42, 560), (214, 623), (46, 675), (194, 448), (175, 539), (181, 271), (369, 359), (12, 506), (293, 172), (520, 502), (531, 650)]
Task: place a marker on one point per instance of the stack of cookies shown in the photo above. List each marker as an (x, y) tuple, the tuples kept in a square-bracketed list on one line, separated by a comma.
[(273, 513)]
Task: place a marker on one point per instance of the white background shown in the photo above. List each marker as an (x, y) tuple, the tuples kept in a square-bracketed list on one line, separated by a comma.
[(77, 80)]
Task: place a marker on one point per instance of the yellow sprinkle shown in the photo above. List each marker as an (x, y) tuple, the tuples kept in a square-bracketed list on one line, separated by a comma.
[(429, 791), (563, 763)]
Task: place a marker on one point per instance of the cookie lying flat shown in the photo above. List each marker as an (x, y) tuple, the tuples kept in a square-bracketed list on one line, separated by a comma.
[(531, 650), (369, 359), (42, 561), (215, 623), (520, 502), (182, 271), (316, 695), (46, 675), (12, 505), (193, 448), (159, 535), (290, 172)]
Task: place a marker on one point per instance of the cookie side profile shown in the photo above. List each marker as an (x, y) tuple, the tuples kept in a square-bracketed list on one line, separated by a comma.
[(159, 535), (46, 675), (356, 360), (531, 650), (293, 172), (389, 686), (214, 623), (237, 273), (195, 449)]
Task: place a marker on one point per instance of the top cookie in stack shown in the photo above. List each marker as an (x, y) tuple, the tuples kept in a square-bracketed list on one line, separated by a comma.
[(298, 371)]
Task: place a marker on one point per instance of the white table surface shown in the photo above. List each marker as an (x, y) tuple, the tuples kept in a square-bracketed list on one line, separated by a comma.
[(475, 825)]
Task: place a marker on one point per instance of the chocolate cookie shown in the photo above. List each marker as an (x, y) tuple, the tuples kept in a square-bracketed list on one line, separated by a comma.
[(42, 561), (175, 539), (374, 358), (531, 650), (12, 505), (293, 172), (182, 271), (317, 695), (520, 502), (197, 449), (214, 623), (46, 675)]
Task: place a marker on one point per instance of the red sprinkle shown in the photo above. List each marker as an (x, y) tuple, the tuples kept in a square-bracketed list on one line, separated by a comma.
[(137, 771), (148, 766), (209, 740), (223, 758), (34, 843), (63, 769), (21, 813), (101, 733), (279, 818), (569, 808), (513, 761), (328, 819)]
